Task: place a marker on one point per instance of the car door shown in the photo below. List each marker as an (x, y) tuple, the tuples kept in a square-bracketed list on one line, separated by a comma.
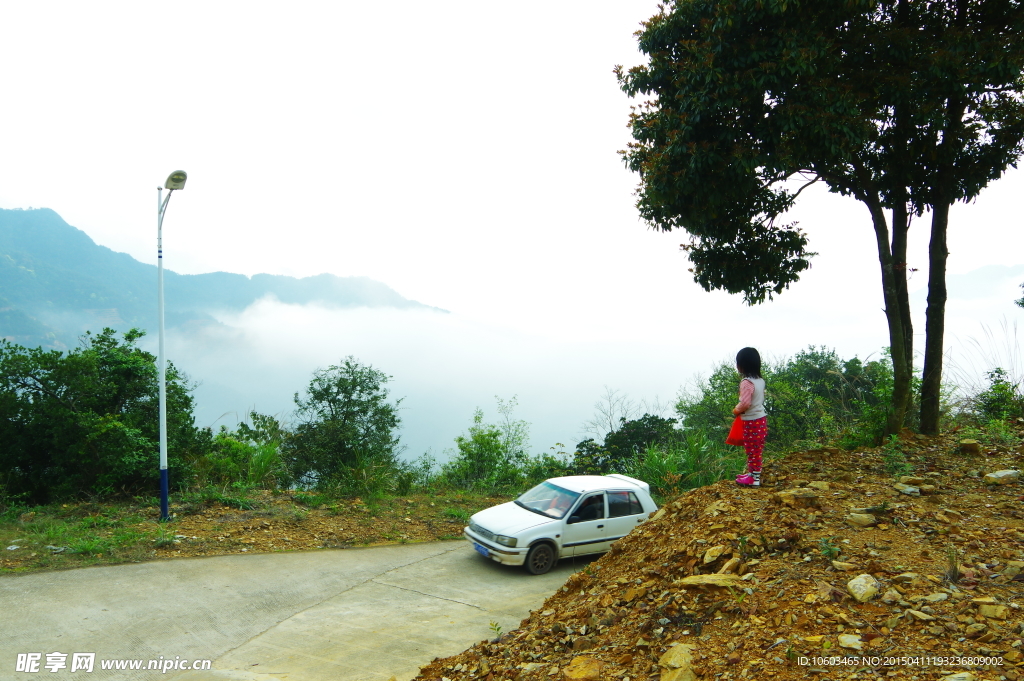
[(585, 527), (624, 513)]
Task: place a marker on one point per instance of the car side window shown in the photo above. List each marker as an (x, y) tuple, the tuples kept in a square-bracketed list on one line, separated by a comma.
[(592, 508), (622, 504)]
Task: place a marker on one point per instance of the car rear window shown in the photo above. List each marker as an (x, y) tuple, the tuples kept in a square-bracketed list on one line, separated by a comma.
[(623, 503)]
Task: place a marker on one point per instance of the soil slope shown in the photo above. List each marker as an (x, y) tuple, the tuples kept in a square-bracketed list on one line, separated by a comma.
[(732, 583)]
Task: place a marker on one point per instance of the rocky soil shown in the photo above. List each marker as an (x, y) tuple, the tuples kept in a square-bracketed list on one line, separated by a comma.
[(834, 569)]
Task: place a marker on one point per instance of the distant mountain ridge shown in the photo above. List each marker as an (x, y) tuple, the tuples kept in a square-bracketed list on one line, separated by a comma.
[(56, 283)]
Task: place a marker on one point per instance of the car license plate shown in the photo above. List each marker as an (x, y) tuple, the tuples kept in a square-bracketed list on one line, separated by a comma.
[(482, 550)]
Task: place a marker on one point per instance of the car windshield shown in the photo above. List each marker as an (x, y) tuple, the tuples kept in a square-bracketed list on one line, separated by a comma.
[(547, 499)]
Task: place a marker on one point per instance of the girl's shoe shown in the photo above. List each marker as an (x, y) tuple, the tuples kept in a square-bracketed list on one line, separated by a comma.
[(749, 479)]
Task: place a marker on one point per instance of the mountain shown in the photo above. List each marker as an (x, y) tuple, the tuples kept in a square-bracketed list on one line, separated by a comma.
[(56, 283)]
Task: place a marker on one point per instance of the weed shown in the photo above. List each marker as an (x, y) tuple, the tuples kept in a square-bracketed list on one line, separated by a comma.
[(456, 514), (496, 629), (952, 573), (743, 542), (893, 458), (740, 597), (311, 500), (828, 549)]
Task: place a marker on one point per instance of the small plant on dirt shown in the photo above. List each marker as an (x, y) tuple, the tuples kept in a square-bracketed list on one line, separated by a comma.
[(496, 630), (893, 458), (743, 543), (739, 596), (456, 514), (828, 548), (952, 572)]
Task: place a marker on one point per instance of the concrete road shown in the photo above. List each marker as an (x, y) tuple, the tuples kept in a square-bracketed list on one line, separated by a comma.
[(345, 615)]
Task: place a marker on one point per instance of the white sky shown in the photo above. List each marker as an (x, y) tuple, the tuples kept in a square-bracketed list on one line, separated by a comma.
[(462, 153)]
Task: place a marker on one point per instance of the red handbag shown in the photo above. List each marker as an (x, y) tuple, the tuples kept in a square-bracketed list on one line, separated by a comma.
[(735, 433)]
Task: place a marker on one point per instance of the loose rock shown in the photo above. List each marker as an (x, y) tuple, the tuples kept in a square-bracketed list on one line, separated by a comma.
[(863, 587)]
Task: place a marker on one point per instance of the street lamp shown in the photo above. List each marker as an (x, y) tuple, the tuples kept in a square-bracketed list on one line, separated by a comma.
[(175, 180)]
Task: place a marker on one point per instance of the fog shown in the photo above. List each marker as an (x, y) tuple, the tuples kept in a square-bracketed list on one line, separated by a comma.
[(445, 365)]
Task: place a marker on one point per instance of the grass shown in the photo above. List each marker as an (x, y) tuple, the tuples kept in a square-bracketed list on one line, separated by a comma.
[(71, 535)]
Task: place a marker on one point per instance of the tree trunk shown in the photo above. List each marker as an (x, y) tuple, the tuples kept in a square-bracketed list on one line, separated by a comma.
[(900, 227), (935, 323), (901, 367)]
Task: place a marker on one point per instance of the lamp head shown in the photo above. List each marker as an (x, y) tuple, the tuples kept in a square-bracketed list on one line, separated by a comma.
[(176, 180)]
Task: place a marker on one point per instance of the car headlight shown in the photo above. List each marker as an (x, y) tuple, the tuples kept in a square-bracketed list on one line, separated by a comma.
[(506, 541)]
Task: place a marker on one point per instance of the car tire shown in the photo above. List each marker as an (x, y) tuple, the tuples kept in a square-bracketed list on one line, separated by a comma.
[(540, 559)]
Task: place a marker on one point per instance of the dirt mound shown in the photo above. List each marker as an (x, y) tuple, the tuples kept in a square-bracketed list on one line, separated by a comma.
[(834, 569)]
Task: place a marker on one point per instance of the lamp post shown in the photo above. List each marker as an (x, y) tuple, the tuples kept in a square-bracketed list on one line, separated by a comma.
[(175, 180)]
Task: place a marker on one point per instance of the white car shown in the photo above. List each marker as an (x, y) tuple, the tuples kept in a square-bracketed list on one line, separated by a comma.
[(575, 515)]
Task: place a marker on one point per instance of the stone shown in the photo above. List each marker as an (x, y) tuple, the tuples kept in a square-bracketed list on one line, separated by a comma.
[(861, 519), (936, 597), (996, 612), (583, 668), (710, 580), (712, 554), (959, 676), (840, 565), (679, 675), (918, 615), (800, 497), (820, 485), (678, 656), (913, 480), (863, 587), (891, 596), (975, 630), (927, 489), (730, 566), (970, 447), (907, 489), (851, 641), (905, 578), (1001, 477), (944, 518)]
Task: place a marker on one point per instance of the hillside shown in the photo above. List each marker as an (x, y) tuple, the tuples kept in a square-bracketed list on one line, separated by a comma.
[(56, 282), (733, 583)]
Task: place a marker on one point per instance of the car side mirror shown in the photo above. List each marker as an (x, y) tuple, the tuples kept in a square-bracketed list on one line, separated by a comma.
[(573, 519)]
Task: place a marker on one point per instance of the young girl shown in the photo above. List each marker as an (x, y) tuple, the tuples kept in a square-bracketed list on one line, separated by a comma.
[(751, 410)]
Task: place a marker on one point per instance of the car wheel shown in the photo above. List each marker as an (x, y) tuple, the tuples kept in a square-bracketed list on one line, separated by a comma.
[(540, 559)]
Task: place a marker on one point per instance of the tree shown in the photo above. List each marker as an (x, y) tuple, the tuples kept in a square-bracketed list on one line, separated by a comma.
[(632, 438), (491, 456), (347, 426), (905, 106), (85, 422)]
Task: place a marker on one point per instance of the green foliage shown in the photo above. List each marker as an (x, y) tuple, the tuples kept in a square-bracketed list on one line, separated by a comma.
[(632, 438), (813, 396), (490, 456), (346, 437), (746, 98), (1002, 399), (85, 422), (693, 461), (894, 460), (828, 548), (456, 514)]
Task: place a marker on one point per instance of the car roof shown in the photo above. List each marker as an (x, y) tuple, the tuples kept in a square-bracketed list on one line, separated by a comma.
[(586, 483)]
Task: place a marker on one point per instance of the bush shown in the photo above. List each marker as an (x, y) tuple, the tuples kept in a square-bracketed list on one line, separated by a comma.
[(693, 461), (346, 439), (1002, 400), (814, 396), (85, 422)]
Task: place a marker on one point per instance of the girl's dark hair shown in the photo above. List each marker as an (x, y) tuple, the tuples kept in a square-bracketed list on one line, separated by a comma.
[(748, 361)]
